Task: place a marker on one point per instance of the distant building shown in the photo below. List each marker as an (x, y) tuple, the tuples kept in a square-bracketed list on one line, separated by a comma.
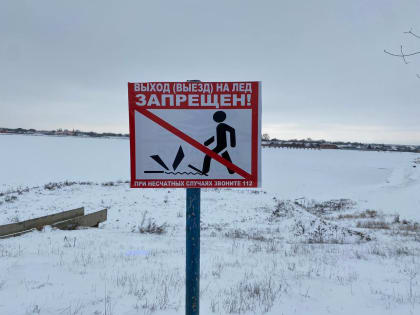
[(328, 146)]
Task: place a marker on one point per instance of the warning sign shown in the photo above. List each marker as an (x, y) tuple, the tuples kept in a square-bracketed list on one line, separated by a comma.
[(195, 134)]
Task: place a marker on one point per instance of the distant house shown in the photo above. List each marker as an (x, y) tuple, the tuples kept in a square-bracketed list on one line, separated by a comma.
[(327, 146)]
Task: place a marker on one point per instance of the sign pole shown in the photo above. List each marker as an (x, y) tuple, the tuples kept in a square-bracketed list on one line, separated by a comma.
[(192, 294), (192, 266)]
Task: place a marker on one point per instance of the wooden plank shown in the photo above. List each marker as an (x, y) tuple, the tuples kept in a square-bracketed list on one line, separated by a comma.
[(17, 234), (38, 223), (89, 220)]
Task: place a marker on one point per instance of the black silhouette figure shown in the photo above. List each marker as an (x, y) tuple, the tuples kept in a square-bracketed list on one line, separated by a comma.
[(221, 141)]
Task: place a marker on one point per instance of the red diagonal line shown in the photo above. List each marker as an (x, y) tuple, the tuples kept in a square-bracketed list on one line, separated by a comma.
[(193, 142)]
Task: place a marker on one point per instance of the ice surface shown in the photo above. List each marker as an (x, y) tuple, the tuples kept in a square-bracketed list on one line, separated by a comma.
[(381, 180)]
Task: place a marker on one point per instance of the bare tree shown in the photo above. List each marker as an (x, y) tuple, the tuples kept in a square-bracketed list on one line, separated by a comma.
[(402, 54), (265, 136)]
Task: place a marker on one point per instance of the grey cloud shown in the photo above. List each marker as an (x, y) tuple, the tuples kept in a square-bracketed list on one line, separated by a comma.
[(66, 63)]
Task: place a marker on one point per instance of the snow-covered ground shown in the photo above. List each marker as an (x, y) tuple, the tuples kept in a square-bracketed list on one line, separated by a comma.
[(283, 249)]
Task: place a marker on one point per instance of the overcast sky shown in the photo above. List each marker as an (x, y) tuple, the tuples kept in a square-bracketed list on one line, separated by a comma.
[(66, 64)]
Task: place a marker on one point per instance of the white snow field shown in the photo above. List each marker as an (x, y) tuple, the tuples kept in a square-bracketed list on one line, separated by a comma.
[(330, 232)]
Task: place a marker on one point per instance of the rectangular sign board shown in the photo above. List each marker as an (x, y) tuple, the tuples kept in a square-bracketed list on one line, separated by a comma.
[(195, 134)]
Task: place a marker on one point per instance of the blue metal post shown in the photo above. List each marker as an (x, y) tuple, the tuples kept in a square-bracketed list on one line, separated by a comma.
[(192, 293)]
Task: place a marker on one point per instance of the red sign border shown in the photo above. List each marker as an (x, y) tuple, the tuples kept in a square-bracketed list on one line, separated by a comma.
[(252, 182)]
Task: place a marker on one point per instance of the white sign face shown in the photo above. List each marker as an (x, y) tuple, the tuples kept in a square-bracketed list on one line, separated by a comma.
[(195, 134)]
